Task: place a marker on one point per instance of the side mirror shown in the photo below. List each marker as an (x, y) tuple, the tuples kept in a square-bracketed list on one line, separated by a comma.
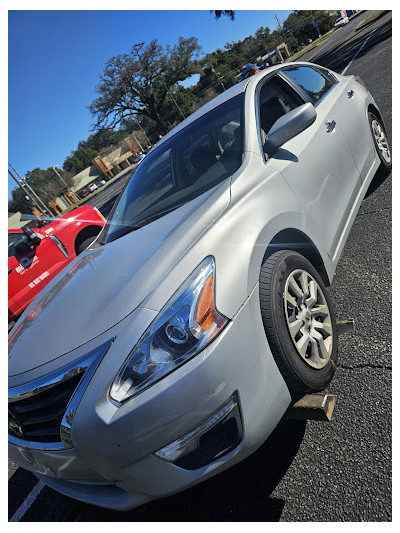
[(33, 238), (290, 125)]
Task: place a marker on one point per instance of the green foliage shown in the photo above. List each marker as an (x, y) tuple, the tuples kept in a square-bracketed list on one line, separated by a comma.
[(300, 24), (18, 202), (141, 82), (45, 183), (218, 14), (79, 160)]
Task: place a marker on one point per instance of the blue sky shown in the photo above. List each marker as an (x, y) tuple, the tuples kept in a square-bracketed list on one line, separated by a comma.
[(55, 59)]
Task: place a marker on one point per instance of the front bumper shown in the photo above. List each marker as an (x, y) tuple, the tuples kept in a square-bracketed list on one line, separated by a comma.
[(113, 464)]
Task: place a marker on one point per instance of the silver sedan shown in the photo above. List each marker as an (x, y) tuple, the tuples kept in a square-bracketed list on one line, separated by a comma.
[(171, 349)]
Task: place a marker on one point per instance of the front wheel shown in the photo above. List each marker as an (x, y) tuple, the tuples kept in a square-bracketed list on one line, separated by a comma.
[(299, 322)]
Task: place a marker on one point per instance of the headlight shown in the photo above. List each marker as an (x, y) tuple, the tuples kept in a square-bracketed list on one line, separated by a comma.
[(186, 324)]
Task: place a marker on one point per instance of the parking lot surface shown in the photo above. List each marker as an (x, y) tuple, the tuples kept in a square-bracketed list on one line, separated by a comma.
[(337, 471)]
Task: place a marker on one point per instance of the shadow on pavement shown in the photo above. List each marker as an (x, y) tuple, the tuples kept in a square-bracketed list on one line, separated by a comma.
[(339, 57), (377, 180), (242, 493)]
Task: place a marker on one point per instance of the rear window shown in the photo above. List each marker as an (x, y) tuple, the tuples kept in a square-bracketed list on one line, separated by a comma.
[(193, 161)]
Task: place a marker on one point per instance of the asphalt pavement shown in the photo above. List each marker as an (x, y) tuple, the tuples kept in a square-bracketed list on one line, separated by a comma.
[(309, 471)]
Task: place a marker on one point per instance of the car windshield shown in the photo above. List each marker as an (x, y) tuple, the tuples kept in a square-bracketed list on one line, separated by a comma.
[(188, 164)]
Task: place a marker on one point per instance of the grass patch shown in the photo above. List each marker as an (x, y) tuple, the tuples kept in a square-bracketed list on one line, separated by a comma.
[(311, 46), (368, 20)]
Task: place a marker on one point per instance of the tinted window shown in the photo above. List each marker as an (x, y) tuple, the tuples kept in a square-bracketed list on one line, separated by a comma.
[(191, 162), (13, 240), (311, 81)]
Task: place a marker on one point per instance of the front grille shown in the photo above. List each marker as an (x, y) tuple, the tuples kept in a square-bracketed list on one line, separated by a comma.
[(38, 417)]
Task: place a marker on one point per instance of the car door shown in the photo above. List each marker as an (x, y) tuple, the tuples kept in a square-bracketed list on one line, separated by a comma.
[(349, 112), (317, 163)]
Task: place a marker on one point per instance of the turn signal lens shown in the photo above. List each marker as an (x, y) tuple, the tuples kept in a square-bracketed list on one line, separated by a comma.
[(206, 314)]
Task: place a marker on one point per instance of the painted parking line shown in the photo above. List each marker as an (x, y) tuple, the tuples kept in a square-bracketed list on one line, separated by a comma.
[(358, 51), (26, 504)]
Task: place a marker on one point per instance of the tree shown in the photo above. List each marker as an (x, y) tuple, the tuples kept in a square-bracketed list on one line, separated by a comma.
[(142, 82), (300, 23), (45, 183), (79, 160), (219, 13)]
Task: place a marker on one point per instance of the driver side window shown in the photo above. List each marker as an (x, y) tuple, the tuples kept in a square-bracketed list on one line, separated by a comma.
[(276, 99), (14, 242)]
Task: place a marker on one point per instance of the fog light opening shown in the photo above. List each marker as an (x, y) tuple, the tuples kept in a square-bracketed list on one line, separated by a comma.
[(216, 436)]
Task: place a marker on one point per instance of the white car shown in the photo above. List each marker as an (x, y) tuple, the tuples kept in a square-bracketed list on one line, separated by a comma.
[(170, 349), (92, 187), (341, 22)]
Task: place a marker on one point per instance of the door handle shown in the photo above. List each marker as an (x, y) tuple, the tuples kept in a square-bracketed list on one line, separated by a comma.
[(350, 94), (330, 126)]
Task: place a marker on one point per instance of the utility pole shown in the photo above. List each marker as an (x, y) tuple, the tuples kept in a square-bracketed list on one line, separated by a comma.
[(142, 130), (173, 99), (141, 147), (26, 192), (67, 186), (280, 27), (219, 79), (32, 195)]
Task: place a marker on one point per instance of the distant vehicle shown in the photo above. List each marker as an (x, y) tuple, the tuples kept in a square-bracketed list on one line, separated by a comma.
[(92, 187), (83, 192), (138, 158), (101, 183), (36, 255), (248, 70), (341, 22)]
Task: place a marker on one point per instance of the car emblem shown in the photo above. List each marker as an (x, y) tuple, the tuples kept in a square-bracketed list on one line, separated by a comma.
[(15, 427)]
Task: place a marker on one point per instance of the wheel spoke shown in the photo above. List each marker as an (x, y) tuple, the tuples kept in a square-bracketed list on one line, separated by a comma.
[(323, 326), (290, 300), (320, 310), (311, 301), (302, 344), (304, 283), (324, 354), (295, 326), (314, 351), (295, 288)]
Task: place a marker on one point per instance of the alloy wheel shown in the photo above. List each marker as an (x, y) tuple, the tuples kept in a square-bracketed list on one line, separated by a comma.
[(381, 140), (308, 319)]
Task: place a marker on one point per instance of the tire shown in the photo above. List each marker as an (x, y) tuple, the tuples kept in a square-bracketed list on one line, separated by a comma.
[(85, 244), (307, 357), (381, 142)]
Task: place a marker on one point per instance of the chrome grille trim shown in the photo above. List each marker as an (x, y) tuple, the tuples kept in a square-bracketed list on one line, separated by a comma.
[(87, 366)]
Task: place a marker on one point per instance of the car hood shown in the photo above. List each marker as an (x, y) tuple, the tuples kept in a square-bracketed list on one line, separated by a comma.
[(101, 287)]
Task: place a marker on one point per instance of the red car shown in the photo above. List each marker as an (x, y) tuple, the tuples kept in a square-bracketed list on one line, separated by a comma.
[(36, 256)]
